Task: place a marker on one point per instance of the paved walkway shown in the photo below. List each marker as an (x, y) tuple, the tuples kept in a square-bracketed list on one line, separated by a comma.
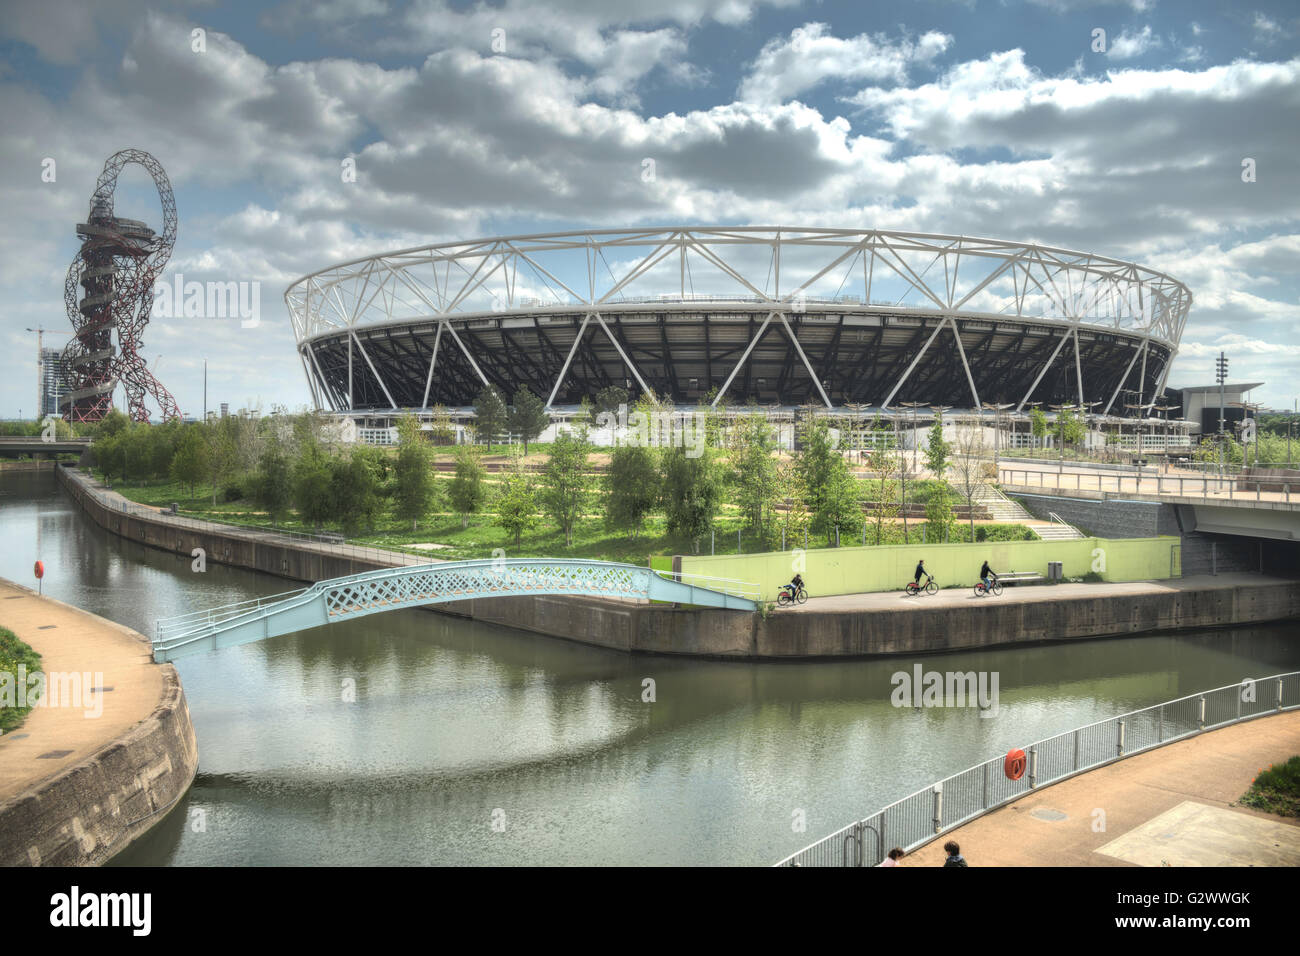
[(1026, 594), (1168, 807), (105, 655)]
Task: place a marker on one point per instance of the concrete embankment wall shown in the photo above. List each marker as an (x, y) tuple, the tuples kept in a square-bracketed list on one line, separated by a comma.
[(94, 810), (736, 634), (286, 560), (915, 629), (919, 630)]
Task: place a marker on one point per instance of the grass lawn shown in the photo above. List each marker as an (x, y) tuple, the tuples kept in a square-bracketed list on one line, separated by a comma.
[(12, 653), (1276, 789)]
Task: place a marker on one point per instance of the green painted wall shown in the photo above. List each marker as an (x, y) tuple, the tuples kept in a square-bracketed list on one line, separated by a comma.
[(829, 571)]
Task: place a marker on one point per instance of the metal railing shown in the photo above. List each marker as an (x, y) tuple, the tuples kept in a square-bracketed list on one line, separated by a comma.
[(743, 589), (1207, 487), (927, 814)]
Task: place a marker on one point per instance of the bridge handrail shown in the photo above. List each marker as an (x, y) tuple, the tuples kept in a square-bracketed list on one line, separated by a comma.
[(922, 816), (198, 624), (223, 613), (732, 586)]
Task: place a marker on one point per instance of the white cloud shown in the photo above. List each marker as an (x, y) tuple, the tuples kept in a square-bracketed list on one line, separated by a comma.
[(1129, 45), (1266, 29), (810, 56)]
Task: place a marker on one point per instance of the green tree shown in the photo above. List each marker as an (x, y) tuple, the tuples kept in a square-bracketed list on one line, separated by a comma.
[(752, 471), (467, 489), (222, 454), (528, 416), (517, 502), (1070, 427), (356, 487), (566, 480), (883, 466), (608, 399), (692, 493), (1038, 425), (789, 492), (937, 450), (111, 424), (442, 432), (632, 488), (829, 490), (970, 467), (189, 464), (413, 485), (274, 485), (311, 485), (490, 414), (939, 516)]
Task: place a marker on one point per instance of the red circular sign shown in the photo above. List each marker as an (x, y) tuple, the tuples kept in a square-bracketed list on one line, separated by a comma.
[(39, 569), (1014, 765)]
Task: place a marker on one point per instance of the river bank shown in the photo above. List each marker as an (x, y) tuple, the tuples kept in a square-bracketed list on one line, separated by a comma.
[(851, 626), (109, 752)]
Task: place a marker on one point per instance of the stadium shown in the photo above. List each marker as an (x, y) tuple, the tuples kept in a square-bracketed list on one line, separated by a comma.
[(779, 316)]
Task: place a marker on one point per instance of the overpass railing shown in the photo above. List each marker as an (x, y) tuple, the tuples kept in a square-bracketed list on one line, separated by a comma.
[(743, 589), (1209, 487), (956, 800)]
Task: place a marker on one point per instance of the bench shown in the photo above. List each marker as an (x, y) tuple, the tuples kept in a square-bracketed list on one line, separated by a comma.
[(1020, 577)]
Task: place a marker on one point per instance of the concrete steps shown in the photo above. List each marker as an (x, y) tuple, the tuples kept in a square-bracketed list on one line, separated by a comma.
[(1000, 507), (1056, 532)]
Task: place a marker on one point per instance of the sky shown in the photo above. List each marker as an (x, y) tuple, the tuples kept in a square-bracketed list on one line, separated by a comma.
[(1120, 128)]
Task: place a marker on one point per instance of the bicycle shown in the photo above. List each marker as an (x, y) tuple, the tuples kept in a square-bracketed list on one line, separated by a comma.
[(995, 588), (929, 587), (784, 598)]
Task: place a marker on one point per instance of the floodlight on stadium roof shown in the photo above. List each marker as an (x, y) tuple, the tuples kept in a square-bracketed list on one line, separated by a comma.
[(736, 315)]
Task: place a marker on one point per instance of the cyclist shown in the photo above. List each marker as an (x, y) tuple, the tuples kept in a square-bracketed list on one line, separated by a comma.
[(986, 572), (920, 570)]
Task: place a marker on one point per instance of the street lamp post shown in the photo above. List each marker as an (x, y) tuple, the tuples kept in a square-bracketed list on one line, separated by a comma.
[(1060, 434), (913, 406)]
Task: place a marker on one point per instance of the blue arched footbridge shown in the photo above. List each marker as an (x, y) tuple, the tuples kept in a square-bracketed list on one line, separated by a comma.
[(389, 589)]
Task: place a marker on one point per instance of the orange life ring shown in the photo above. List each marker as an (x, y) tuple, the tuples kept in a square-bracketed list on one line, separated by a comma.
[(1015, 764), (39, 570)]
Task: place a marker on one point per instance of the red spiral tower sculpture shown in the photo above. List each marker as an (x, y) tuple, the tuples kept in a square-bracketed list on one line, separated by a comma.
[(115, 270)]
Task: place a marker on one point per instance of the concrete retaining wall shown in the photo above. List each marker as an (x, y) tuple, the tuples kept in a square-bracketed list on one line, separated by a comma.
[(94, 809)]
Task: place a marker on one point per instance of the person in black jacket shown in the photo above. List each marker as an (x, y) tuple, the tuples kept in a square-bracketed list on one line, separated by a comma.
[(985, 573), (920, 570), (954, 854)]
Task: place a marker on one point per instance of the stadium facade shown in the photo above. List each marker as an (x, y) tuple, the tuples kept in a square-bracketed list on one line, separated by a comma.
[(774, 315)]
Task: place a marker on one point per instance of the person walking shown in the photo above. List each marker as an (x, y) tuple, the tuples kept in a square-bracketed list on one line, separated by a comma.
[(895, 855), (954, 854)]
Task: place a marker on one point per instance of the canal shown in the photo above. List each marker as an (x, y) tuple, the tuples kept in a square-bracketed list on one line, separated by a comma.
[(417, 738)]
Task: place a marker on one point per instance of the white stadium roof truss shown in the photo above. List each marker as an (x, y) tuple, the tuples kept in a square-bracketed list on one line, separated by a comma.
[(772, 271)]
